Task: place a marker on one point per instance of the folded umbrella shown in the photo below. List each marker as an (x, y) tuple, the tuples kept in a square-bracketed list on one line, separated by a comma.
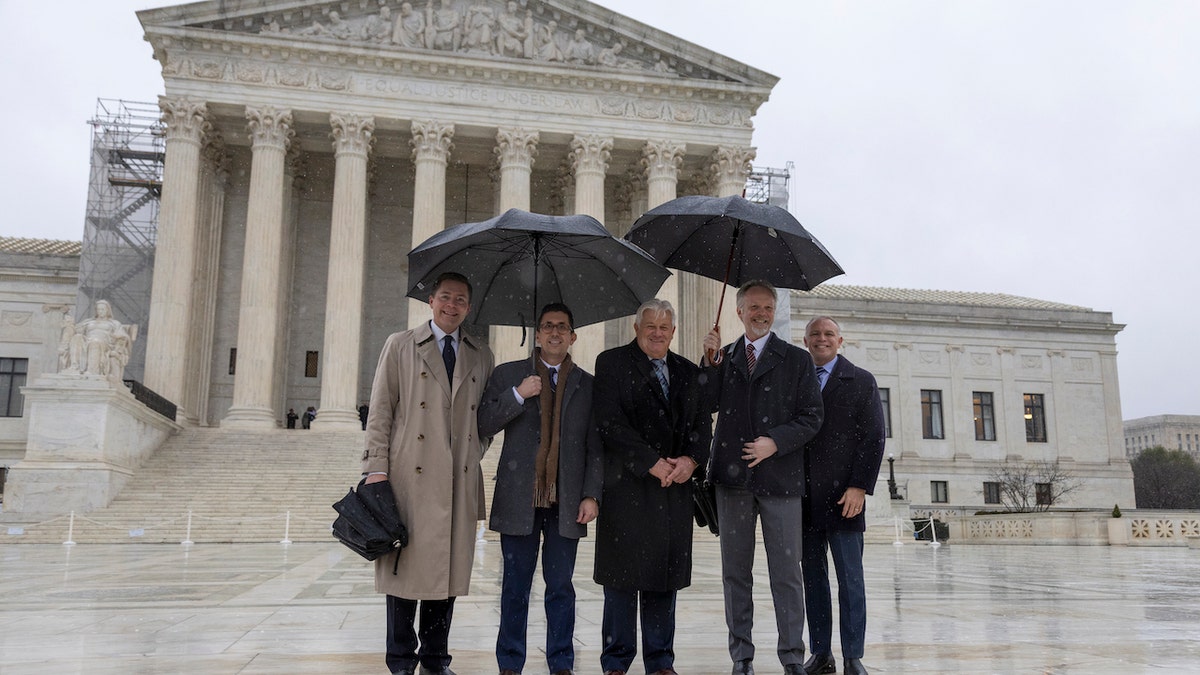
[(368, 522)]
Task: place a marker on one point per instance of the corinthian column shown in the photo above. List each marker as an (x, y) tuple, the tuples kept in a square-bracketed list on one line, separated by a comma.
[(174, 261), (258, 317), (352, 137), (515, 148), (661, 160), (589, 160), (731, 168), (431, 144)]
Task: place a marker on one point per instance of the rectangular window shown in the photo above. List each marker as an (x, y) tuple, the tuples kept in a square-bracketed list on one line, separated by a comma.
[(1035, 418), (939, 491), (991, 492), (885, 397), (931, 414), (1042, 494), (310, 364), (985, 416), (232, 360), (12, 378)]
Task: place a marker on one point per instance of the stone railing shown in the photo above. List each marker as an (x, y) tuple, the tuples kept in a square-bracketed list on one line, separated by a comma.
[(1083, 528)]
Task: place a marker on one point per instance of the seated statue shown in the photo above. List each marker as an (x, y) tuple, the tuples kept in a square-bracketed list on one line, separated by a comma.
[(99, 347)]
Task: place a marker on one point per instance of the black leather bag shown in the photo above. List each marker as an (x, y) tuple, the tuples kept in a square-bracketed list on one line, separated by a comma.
[(368, 522), (704, 494)]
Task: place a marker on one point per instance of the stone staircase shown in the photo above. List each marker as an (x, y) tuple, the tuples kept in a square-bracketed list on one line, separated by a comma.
[(239, 487)]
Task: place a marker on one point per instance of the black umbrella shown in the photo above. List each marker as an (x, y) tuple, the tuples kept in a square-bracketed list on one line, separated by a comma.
[(734, 240), (519, 261), (368, 521)]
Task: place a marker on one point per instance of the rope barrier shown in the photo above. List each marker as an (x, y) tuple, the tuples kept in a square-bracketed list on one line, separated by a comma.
[(142, 528)]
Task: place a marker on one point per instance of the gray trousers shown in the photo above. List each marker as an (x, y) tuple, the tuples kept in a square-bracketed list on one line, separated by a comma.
[(738, 511)]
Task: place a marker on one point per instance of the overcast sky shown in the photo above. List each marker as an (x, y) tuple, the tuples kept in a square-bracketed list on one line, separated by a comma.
[(1041, 148)]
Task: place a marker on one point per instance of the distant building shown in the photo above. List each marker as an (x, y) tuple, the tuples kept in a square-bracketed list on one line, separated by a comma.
[(970, 380), (1173, 432)]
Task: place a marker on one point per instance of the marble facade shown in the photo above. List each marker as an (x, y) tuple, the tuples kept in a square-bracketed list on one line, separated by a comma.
[(311, 145)]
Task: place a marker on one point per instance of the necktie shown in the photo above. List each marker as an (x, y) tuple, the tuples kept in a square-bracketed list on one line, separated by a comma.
[(822, 376), (750, 360), (660, 372), (553, 379), (448, 356)]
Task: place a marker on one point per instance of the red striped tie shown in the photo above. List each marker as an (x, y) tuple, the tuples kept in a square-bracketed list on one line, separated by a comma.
[(750, 360)]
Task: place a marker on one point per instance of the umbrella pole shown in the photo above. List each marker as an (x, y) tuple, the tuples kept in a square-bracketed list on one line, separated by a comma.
[(715, 357)]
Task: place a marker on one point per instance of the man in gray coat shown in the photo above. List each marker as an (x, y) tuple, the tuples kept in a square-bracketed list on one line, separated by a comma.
[(548, 485), (423, 437)]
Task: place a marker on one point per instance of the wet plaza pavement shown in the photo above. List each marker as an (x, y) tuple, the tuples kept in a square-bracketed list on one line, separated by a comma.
[(309, 608)]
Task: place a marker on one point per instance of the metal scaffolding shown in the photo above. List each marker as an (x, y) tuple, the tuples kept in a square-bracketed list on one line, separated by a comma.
[(117, 260), (769, 186)]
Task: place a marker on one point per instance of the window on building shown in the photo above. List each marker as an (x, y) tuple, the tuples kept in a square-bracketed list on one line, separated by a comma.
[(885, 397), (991, 492), (1043, 494), (1035, 418), (310, 364), (939, 491), (232, 360), (985, 416), (931, 414), (12, 378)]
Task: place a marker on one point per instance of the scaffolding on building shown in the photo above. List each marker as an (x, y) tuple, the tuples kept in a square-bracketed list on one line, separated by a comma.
[(117, 260), (769, 186)]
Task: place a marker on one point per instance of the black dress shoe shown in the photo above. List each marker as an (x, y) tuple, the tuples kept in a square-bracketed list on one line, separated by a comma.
[(444, 670), (820, 663), (793, 669), (743, 667), (854, 667)]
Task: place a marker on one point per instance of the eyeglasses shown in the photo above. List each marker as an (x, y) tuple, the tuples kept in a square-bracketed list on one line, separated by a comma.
[(554, 328)]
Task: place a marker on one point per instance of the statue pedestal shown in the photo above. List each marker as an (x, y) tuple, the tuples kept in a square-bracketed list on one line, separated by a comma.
[(86, 438)]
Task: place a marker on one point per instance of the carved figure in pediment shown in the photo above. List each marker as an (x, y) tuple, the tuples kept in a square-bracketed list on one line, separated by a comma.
[(272, 27), (443, 27), (546, 46), (579, 50), (338, 28), (511, 32), (611, 57), (661, 66), (410, 28), (378, 27), (480, 22)]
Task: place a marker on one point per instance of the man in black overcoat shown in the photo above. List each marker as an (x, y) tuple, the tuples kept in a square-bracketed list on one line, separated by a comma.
[(655, 433), (842, 462), (768, 406)]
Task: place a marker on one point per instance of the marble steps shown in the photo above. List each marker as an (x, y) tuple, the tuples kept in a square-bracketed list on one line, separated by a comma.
[(238, 485)]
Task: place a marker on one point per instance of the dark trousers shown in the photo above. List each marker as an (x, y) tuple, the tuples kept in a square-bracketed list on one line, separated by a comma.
[(406, 647), (558, 566), (619, 628), (846, 548)]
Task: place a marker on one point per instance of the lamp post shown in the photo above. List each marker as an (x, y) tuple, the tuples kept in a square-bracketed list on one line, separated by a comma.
[(895, 493)]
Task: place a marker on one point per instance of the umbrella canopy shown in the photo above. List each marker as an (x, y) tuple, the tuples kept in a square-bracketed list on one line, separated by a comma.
[(519, 261), (368, 521), (734, 240)]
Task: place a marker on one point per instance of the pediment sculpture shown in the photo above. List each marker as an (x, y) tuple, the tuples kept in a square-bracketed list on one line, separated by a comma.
[(479, 28)]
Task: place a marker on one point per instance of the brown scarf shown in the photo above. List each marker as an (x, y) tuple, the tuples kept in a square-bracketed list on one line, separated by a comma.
[(545, 488)]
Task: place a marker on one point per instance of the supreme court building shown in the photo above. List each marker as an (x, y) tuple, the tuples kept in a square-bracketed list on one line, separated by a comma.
[(311, 145)]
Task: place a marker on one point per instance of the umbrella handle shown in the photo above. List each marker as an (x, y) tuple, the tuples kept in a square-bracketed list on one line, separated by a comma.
[(715, 357)]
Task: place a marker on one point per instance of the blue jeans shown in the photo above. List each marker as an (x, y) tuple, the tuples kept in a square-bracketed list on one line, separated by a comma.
[(558, 566), (619, 629), (846, 549)]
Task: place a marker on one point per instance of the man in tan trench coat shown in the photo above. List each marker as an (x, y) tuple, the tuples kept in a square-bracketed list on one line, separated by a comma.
[(423, 437)]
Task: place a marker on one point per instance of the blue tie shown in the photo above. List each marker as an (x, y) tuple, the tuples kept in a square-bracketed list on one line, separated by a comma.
[(822, 376), (660, 372), (448, 356)]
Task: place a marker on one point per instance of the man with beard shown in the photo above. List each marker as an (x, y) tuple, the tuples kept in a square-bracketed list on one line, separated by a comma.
[(769, 405)]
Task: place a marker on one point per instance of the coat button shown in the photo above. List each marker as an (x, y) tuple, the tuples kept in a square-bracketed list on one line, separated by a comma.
[(420, 437), (424, 374), (422, 405), (472, 407), (418, 469), (465, 469)]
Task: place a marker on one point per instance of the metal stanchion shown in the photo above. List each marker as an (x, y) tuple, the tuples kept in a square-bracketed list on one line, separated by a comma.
[(187, 538), (70, 531), (897, 524), (287, 529)]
